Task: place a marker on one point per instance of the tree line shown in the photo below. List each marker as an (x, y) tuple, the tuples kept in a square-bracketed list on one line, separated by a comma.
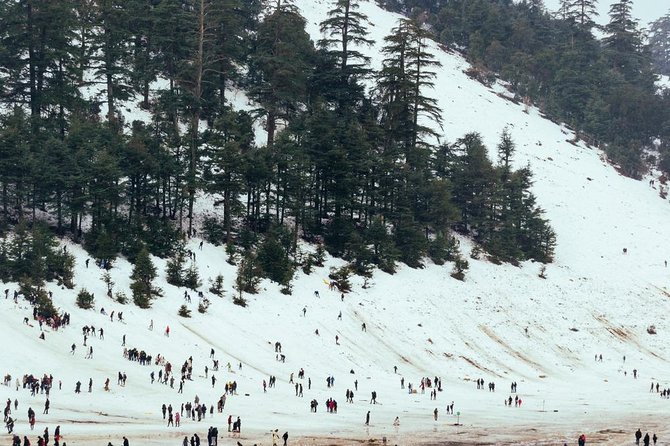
[(597, 79), (359, 171)]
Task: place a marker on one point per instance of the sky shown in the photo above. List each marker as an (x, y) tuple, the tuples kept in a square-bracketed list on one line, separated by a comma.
[(645, 11)]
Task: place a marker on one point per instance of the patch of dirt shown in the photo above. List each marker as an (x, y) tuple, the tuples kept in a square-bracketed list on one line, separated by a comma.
[(477, 365), (488, 332)]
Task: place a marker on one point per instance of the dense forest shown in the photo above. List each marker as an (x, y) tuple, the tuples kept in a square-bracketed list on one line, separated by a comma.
[(597, 79), (358, 171)]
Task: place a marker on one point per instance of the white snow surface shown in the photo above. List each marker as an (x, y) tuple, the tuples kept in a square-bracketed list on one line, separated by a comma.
[(595, 300)]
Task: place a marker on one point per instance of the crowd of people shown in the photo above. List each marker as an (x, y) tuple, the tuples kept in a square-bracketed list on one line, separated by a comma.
[(196, 410)]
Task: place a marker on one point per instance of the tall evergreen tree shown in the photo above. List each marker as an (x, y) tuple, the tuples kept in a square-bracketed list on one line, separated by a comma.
[(406, 73), (623, 42), (659, 43), (280, 65), (582, 12), (111, 53), (346, 31), (144, 272)]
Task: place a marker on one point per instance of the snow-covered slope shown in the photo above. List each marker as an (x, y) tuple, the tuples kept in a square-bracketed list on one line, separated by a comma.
[(503, 324)]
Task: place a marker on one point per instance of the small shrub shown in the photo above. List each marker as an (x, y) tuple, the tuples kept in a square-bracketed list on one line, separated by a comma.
[(320, 255), (308, 265), (476, 252), (121, 297), (203, 305), (184, 311), (239, 300), (85, 299), (460, 265), (217, 286), (107, 279)]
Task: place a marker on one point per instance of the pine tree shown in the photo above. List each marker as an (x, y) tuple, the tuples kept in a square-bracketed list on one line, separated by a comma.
[(175, 268), (217, 285), (111, 53), (582, 12), (248, 275), (14, 163), (473, 176), (280, 66), (192, 277), (346, 30), (85, 299), (227, 142), (144, 272), (659, 43), (623, 42)]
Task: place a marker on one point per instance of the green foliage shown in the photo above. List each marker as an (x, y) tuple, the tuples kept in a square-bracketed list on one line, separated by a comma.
[(443, 249), (34, 292), (460, 266), (184, 311), (144, 272), (217, 286), (102, 245), (410, 241), (338, 233), (476, 252), (280, 66), (85, 299), (121, 297), (34, 254), (659, 44), (340, 277), (496, 204), (555, 62), (192, 278), (213, 231), (273, 260), (240, 301), (109, 283), (352, 171), (231, 250), (248, 274), (203, 305), (160, 236), (175, 267), (319, 255), (360, 256)]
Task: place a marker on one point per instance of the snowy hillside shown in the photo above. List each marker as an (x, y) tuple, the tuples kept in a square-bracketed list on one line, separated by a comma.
[(503, 324)]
